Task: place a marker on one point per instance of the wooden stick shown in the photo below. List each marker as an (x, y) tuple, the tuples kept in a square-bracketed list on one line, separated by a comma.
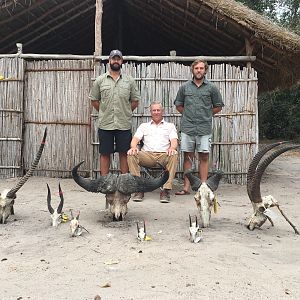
[(294, 227)]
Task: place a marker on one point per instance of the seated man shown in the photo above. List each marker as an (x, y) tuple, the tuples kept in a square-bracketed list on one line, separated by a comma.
[(160, 142)]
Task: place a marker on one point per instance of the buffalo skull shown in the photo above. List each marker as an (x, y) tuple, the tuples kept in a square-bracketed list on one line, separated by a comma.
[(118, 188), (204, 196)]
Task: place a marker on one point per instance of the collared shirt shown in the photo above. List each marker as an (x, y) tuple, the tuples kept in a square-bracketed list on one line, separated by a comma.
[(115, 100), (198, 103), (156, 137)]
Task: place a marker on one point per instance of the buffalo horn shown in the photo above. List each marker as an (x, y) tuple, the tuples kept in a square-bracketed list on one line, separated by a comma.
[(105, 184), (194, 180)]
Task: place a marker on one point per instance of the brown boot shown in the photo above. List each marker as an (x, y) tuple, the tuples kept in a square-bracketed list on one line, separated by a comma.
[(165, 196), (138, 197)]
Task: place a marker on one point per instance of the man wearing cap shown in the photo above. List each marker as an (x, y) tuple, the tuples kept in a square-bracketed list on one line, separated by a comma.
[(114, 95)]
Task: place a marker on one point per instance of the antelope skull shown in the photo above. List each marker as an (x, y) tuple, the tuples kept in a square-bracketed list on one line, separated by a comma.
[(204, 196), (118, 188), (7, 197), (56, 214), (75, 228), (255, 172)]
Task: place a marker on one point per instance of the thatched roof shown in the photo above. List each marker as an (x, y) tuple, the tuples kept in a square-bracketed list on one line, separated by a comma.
[(154, 27)]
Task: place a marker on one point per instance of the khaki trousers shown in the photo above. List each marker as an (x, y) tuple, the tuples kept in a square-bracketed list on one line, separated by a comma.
[(149, 159)]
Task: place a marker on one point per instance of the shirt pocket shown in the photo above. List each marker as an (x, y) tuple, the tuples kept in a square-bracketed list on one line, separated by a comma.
[(206, 99), (105, 92), (124, 90)]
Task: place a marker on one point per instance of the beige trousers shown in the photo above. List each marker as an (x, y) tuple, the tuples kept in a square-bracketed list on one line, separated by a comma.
[(149, 159)]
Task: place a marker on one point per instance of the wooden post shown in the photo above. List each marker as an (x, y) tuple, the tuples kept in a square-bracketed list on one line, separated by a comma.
[(249, 49), (97, 63), (98, 25)]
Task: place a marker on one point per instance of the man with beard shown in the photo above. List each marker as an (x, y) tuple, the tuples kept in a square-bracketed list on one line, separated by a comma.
[(197, 100), (115, 95)]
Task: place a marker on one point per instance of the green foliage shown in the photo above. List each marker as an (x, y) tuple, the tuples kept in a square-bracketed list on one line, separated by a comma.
[(279, 114), (265, 7), (284, 12)]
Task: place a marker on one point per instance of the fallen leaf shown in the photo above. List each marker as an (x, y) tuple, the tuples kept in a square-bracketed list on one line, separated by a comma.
[(106, 285)]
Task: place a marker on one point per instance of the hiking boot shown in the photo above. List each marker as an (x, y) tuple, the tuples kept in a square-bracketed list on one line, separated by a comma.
[(138, 197), (165, 196)]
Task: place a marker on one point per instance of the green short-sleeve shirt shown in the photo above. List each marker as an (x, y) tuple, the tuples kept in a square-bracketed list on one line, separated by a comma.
[(115, 100), (198, 103)]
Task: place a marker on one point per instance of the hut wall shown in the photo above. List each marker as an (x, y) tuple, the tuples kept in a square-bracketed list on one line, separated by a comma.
[(235, 129), (11, 116), (56, 96)]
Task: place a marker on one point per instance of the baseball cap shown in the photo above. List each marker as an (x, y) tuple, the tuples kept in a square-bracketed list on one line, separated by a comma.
[(115, 53)]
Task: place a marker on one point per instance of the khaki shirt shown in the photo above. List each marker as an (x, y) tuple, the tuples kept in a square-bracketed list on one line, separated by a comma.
[(115, 101)]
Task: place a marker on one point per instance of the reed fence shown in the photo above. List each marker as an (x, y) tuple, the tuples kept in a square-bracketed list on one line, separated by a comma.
[(11, 116), (54, 94)]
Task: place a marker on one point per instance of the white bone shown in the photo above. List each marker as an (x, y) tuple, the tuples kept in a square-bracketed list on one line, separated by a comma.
[(204, 200), (56, 218)]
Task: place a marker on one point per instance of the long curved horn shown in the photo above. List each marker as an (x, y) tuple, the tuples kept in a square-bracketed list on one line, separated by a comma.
[(50, 208), (61, 203), (214, 180), (128, 184), (255, 187), (194, 180), (254, 163), (105, 184), (12, 192)]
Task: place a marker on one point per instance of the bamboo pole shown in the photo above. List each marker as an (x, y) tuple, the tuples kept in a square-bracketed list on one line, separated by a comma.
[(134, 58), (98, 26)]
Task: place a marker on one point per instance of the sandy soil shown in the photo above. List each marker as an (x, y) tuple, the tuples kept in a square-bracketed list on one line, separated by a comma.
[(41, 262)]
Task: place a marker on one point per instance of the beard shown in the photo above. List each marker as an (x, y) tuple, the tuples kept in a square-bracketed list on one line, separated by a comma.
[(115, 66), (199, 76)]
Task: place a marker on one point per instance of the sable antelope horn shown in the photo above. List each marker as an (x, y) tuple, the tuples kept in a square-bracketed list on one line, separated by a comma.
[(50, 208), (13, 191), (190, 220), (105, 184), (194, 180), (61, 203), (255, 195), (214, 180), (254, 163)]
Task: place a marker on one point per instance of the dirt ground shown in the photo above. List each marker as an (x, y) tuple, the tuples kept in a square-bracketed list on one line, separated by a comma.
[(38, 261)]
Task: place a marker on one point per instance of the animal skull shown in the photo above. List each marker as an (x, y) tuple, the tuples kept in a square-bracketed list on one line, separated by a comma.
[(204, 200), (194, 230), (141, 232), (6, 206), (56, 214), (255, 171), (118, 188), (204, 196), (75, 228), (7, 197)]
